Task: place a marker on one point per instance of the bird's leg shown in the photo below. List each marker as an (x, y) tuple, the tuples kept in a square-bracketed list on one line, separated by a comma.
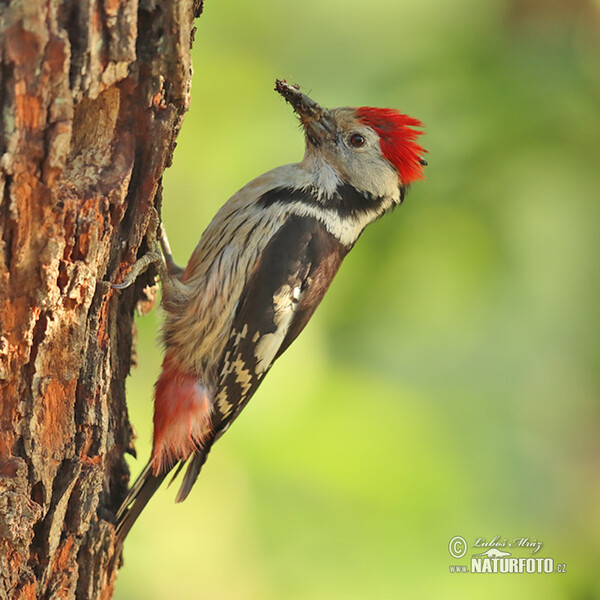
[(159, 254), (172, 267)]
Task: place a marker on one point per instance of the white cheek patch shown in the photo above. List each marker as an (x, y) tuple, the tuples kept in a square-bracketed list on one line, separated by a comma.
[(284, 304)]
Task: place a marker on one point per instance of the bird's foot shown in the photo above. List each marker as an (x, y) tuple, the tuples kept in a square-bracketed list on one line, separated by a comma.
[(159, 254)]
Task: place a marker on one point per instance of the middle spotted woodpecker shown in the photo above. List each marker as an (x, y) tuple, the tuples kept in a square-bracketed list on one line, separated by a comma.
[(260, 270)]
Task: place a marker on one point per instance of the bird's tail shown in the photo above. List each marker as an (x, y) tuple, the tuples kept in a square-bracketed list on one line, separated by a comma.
[(182, 431), (147, 483), (191, 474), (138, 496)]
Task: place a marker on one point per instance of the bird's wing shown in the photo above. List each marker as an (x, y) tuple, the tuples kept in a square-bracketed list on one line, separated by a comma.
[(281, 294), (284, 289)]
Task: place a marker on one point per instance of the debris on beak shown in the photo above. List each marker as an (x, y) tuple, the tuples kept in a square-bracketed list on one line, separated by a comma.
[(315, 119)]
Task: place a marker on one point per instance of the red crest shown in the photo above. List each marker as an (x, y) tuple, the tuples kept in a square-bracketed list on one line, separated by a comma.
[(397, 140)]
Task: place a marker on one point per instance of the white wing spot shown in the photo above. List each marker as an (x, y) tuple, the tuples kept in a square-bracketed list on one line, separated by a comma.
[(244, 376), (241, 335), (296, 293), (269, 344), (224, 405), (226, 365)]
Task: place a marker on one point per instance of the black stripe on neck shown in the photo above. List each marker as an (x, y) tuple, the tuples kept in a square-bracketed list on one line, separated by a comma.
[(403, 192), (347, 201)]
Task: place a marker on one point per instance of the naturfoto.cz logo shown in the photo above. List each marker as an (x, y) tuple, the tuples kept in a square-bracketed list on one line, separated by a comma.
[(495, 559)]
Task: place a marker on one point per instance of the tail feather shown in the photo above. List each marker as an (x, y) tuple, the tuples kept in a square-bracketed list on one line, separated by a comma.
[(133, 491), (138, 496), (147, 483), (191, 474), (176, 474)]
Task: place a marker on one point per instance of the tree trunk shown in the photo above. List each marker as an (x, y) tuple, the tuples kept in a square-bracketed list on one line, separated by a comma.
[(92, 96)]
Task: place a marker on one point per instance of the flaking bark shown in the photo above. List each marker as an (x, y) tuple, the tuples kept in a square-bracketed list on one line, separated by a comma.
[(92, 96)]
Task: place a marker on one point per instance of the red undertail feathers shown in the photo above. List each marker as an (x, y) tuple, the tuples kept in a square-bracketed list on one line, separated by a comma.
[(182, 416)]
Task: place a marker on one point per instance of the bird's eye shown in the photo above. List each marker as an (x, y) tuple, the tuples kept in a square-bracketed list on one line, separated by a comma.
[(357, 140)]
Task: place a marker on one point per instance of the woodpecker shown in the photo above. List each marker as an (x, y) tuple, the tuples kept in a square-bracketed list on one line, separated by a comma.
[(258, 273)]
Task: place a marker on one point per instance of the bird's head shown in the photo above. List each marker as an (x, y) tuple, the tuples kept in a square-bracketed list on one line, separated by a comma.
[(373, 149)]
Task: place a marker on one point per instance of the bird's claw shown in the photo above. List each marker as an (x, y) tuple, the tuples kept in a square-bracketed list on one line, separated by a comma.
[(153, 257)]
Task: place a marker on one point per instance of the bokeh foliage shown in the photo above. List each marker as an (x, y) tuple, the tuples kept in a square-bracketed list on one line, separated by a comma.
[(449, 383)]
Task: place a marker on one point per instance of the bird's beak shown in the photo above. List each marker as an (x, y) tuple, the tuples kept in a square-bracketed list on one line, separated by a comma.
[(316, 120)]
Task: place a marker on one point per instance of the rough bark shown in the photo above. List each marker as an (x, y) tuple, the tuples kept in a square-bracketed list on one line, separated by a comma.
[(92, 96)]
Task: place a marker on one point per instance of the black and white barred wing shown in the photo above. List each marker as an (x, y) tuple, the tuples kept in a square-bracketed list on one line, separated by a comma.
[(283, 291)]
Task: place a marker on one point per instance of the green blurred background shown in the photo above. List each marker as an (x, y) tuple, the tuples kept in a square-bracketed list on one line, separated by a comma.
[(448, 385)]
